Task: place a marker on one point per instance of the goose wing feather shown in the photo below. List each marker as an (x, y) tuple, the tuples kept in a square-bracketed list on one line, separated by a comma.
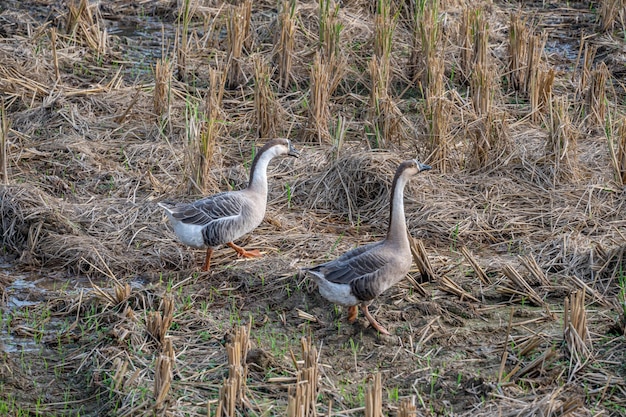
[(354, 264), (205, 211)]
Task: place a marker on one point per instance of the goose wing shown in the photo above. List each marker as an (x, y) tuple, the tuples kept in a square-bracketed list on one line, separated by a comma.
[(353, 264), (207, 210), (364, 269)]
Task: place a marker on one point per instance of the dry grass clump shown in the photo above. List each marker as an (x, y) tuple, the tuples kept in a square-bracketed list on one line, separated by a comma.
[(84, 239), (617, 150), (238, 32), (612, 13), (4, 145), (330, 29), (162, 90), (319, 113), (355, 185), (596, 99), (285, 43), (561, 146), (407, 408), (426, 42), (163, 374), (205, 150), (575, 332), (233, 392), (302, 400), (439, 132), (326, 72), (527, 72), (586, 54), (186, 10), (84, 24), (493, 229), (385, 117), (265, 104), (374, 398)]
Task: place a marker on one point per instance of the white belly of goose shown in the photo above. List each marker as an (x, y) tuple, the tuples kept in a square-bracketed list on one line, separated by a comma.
[(335, 293), (189, 234)]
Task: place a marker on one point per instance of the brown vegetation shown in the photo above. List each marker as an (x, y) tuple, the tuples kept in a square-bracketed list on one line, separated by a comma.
[(516, 305)]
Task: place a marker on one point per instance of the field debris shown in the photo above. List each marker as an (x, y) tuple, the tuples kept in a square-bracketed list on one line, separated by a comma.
[(517, 301)]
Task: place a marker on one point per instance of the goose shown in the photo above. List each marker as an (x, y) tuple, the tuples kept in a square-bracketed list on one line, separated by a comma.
[(224, 217), (360, 275)]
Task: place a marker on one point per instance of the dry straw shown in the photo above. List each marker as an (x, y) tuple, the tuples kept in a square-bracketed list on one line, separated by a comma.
[(121, 293), (330, 28), (561, 142), (596, 99), (407, 408), (425, 41), (466, 41), (384, 26), (482, 76), (421, 259), (385, 116), (163, 373), (194, 155), (55, 59), (374, 398), (526, 68), (438, 117), (285, 43), (319, 112), (183, 45), (327, 70), (202, 149), (539, 81), (521, 287), (302, 400), (162, 90), (617, 148), (237, 25), (474, 40), (575, 331), (384, 113), (84, 23), (518, 50), (233, 391), (157, 323), (265, 104), (587, 54), (356, 185), (480, 272), (612, 13), (4, 144), (235, 38)]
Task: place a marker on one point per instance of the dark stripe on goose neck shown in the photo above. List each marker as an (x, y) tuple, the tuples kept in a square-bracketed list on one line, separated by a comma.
[(261, 151), (404, 165)]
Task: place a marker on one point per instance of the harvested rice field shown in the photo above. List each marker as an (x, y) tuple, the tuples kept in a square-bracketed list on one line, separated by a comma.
[(515, 304)]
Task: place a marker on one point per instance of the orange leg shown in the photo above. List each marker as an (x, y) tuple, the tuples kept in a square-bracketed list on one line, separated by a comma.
[(352, 313), (207, 260), (245, 253), (373, 321)]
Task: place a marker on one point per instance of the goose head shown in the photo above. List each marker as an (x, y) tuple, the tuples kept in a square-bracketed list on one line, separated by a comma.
[(412, 167), (273, 148), (280, 146)]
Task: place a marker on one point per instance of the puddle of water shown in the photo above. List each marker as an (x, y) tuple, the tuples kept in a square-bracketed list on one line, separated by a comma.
[(25, 292), (565, 50), (13, 344)]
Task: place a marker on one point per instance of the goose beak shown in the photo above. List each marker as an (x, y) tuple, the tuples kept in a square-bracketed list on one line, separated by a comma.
[(423, 167), (293, 151)]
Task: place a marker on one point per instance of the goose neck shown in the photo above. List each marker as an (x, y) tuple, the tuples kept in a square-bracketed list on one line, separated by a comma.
[(397, 220), (258, 172)]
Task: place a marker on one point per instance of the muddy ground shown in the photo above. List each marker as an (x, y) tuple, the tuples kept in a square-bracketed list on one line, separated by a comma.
[(492, 326)]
